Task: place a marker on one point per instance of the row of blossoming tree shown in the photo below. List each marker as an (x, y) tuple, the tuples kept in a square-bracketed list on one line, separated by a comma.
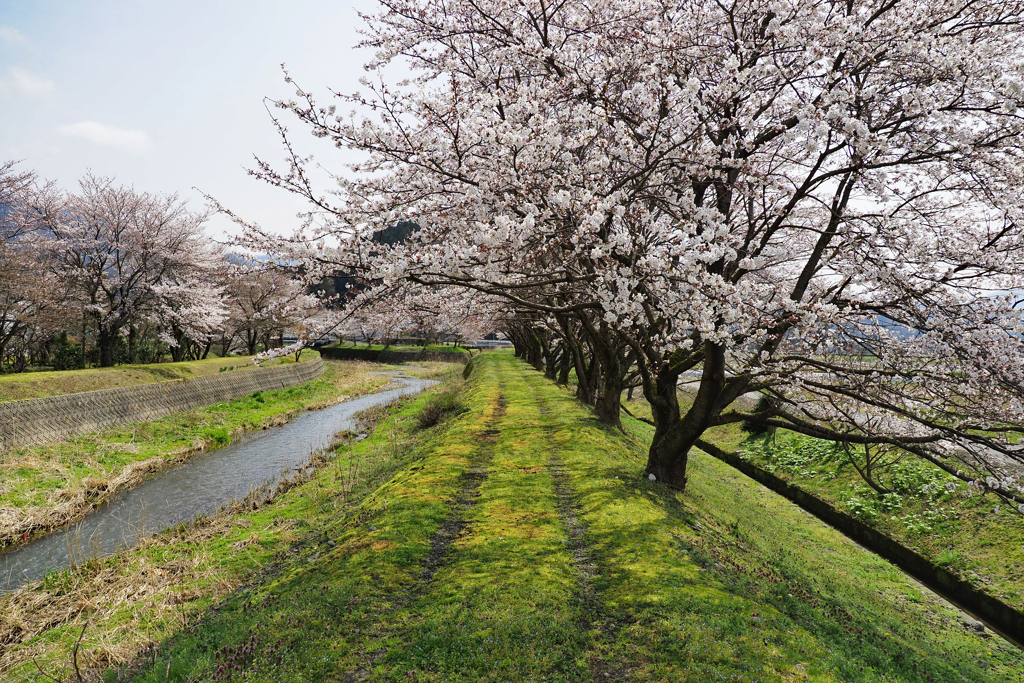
[(816, 200), (129, 277)]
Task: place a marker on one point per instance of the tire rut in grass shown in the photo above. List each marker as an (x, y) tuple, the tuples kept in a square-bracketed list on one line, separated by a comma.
[(450, 530), (595, 618), (466, 498)]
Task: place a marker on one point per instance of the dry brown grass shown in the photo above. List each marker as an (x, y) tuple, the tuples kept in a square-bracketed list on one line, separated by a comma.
[(428, 369), (101, 593)]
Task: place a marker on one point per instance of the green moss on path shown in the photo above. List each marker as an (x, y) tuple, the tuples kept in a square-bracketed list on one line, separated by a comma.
[(519, 542)]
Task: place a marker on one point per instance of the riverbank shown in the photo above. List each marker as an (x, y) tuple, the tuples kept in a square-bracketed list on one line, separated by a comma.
[(26, 385), (518, 541), (48, 487), (135, 598)]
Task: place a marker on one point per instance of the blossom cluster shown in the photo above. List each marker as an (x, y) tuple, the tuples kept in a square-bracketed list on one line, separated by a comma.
[(820, 202)]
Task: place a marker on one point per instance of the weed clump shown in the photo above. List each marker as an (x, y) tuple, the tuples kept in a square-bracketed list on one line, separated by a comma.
[(441, 406)]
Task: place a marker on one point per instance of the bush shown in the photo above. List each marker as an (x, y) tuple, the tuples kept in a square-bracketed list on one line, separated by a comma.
[(765, 404), (218, 436), (441, 406), (67, 356)]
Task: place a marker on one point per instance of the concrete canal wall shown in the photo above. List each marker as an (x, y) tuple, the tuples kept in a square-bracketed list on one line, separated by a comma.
[(53, 418)]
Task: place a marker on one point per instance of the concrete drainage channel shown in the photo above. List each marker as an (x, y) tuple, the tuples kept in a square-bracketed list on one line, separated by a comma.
[(989, 611)]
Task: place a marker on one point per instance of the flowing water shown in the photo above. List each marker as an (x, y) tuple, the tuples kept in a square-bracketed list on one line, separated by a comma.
[(197, 487)]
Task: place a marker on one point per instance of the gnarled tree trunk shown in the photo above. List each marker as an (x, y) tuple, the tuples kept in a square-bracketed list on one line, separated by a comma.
[(674, 436)]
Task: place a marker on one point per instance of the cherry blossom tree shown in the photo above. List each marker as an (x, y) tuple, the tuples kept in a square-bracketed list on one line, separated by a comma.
[(111, 248), (264, 299), (30, 303), (190, 313), (819, 201), (430, 313)]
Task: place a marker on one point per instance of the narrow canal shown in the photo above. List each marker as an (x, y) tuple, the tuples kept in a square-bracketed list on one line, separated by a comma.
[(197, 487)]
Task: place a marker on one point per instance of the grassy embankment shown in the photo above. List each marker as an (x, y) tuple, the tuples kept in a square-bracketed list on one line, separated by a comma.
[(25, 385), (45, 487), (518, 542), (975, 537)]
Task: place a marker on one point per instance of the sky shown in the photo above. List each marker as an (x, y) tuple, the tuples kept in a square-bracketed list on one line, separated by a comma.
[(169, 96)]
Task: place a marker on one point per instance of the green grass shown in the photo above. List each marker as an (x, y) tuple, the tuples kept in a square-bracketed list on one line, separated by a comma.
[(42, 486), (977, 537), (26, 385), (724, 582), (141, 596)]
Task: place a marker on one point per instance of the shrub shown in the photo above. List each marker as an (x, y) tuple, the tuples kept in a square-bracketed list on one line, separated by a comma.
[(67, 356), (765, 404), (441, 406), (218, 436)]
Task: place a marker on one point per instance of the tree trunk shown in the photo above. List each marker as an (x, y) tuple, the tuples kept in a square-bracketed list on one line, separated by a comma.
[(550, 366), (675, 436), (564, 366), (107, 339), (85, 358), (608, 404), (178, 352), (608, 401), (584, 389), (536, 354), (594, 376)]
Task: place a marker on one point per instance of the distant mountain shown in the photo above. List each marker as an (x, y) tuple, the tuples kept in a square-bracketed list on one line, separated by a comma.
[(396, 234)]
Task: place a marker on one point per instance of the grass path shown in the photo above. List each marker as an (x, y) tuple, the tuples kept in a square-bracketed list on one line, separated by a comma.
[(522, 545)]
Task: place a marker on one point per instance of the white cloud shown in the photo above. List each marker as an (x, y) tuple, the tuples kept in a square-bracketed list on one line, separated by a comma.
[(134, 141), (10, 37), (19, 80)]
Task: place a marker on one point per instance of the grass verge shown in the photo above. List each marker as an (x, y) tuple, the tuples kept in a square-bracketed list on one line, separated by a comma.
[(27, 385), (974, 536), (46, 487), (405, 348), (518, 541), (129, 602)]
